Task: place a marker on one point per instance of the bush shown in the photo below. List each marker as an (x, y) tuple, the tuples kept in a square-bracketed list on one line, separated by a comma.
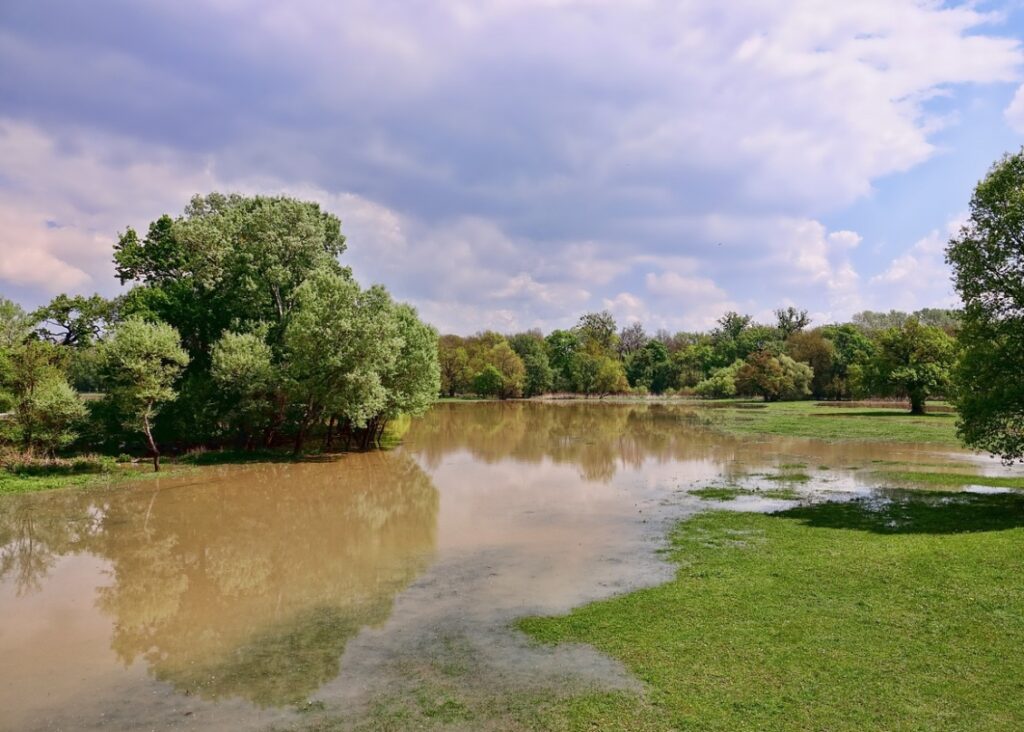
[(721, 384)]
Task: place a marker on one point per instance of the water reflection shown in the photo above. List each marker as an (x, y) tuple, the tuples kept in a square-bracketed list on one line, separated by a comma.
[(250, 586), (600, 439), (244, 590)]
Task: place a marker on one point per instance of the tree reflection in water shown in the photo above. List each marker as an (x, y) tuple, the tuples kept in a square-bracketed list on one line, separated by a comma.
[(250, 584)]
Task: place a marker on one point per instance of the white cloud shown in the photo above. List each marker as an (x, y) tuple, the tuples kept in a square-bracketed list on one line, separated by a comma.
[(1015, 111), (504, 161), (920, 276)]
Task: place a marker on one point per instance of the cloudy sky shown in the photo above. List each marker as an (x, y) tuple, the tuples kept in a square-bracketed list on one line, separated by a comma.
[(512, 163)]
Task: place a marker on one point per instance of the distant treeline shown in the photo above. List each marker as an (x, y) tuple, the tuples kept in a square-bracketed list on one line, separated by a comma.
[(890, 354), (241, 329)]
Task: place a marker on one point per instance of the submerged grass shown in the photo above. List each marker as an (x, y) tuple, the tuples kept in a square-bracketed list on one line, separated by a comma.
[(806, 419), (730, 493), (900, 615), (41, 480), (952, 480)]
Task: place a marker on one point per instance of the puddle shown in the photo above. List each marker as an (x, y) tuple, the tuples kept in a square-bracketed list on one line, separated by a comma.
[(232, 600)]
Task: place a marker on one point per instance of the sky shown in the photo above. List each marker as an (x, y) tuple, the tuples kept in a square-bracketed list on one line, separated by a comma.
[(511, 164)]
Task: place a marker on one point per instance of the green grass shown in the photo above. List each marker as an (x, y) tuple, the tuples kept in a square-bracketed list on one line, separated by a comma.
[(730, 493), (952, 480), (903, 615), (28, 483), (805, 419)]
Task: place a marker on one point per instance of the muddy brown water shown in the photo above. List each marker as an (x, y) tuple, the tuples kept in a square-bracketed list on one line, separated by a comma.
[(235, 597)]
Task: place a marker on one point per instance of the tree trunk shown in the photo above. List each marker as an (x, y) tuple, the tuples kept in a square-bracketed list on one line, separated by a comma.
[(329, 437), (152, 444), (917, 404)]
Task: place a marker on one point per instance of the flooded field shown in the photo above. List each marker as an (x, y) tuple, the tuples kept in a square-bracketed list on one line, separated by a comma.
[(243, 597)]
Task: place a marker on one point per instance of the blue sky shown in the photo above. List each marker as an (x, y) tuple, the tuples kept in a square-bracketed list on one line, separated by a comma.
[(511, 164)]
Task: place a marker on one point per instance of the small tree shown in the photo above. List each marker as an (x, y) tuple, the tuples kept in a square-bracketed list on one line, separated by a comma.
[(49, 414), (721, 384), (913, 360), (610, 377), (141, 362)]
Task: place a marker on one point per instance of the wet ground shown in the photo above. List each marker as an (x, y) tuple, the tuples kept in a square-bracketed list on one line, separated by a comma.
[(243, 597)]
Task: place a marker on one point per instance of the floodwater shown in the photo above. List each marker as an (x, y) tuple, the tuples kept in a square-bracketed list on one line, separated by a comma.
[(238, 597)]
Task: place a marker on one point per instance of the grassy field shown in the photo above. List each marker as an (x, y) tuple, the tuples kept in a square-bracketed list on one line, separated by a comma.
[(905, 615), (806, 419)]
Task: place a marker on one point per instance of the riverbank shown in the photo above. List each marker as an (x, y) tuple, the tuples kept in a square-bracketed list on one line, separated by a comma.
[(903, 614)]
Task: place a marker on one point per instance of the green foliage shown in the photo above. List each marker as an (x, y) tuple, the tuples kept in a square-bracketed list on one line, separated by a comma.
[(511, 368), (818, 352), (721, 384), (597, 332), (791, 321), (49, 414), (913, 360), (141, 362), (242, 367), (15, 324), (488, 382), (651, 368), (987, 257), (773, 377), (453, 361), (73, 321), (562, 347), (414, 377), (539, 376)]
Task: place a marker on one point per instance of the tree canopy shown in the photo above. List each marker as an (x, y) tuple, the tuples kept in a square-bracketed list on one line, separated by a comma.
[(987, 257)]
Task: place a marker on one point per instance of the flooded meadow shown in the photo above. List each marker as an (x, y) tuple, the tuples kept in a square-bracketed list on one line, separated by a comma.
[(252, 596)]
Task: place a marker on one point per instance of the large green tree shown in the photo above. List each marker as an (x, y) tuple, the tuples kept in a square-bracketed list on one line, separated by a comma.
[(913, 361), (987, 257)]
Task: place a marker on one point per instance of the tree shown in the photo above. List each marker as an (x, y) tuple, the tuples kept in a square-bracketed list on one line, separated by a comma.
[(15, 324), (412, 382), (913, 361), (338, 344), (721, 384), (610, 377), (563, 347), (987, 257), (597, 332), (852, 352), (243, 369), (73, 321), (773, 377), (817, 351), (511, 368), (790, 321), (141, 362), (49, 414), (453, 361), (872, 322), (228, 263), (488, 382), (651, 368), (631, 339), (539, 377)]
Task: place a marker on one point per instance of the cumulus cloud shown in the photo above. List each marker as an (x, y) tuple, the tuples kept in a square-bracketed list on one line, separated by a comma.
[(919, 277), (498, 163)]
